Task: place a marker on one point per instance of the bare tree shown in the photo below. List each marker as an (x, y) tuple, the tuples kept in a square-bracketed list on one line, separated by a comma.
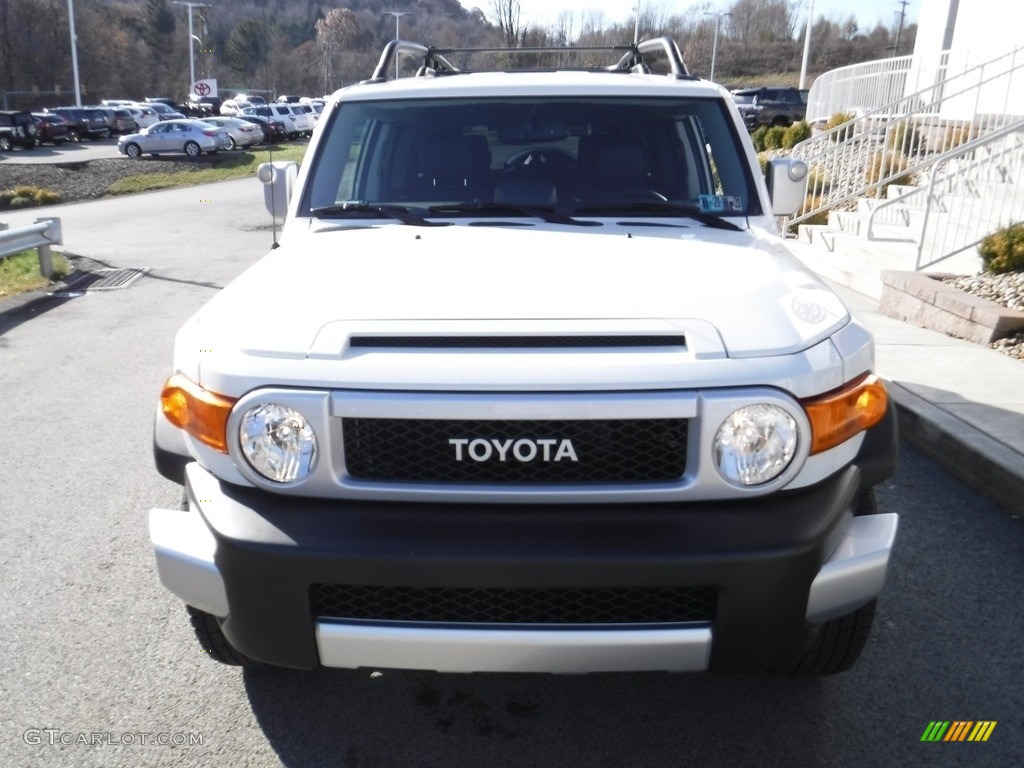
[(335, 33), (507, 12)]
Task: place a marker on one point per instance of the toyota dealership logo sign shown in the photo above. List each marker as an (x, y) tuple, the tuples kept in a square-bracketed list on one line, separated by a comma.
[(205, 89)]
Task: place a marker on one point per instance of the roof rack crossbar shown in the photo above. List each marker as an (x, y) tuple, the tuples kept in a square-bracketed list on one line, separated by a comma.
[(434, 60)]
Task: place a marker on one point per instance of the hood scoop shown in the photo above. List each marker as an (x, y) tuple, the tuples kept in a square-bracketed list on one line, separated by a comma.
[(518, 342)]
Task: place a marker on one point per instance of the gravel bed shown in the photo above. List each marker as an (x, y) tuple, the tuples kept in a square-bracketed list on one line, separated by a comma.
[(1007, 290), (81, 181)]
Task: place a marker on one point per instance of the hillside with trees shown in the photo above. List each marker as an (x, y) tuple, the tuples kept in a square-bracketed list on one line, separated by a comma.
[(138, 48)]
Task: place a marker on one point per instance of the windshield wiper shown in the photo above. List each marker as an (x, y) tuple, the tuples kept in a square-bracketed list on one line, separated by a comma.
[(387, 211), (540, 212), (657, 206)]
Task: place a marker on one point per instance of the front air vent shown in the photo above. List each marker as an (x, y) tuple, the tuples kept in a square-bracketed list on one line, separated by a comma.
[(516, 342)]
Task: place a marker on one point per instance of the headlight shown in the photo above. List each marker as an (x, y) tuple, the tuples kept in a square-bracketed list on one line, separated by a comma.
[(755, 444), (278, 442)]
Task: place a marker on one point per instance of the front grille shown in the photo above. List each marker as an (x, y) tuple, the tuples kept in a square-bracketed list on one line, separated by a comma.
[(516, 342), (606, 451), (636, 605)]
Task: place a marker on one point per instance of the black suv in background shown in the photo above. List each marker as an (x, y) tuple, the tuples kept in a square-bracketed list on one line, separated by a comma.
[(772, 105), (84, 122), (17, 129)]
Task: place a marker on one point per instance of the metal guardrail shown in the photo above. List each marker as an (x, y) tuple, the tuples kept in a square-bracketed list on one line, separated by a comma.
[(39, 236), (984, 178)]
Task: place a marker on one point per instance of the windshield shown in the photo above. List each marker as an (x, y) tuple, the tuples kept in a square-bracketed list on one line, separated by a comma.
[(484, 157)]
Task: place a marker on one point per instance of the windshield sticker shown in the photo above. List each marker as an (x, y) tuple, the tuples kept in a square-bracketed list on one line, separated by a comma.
[(720, 203)]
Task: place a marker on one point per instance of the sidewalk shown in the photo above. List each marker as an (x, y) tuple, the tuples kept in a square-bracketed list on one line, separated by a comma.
[(960, 403)]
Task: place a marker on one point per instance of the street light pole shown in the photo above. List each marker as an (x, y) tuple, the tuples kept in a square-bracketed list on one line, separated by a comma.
[(398, 15), (74, 52), (807, 44), (714, 47), (191, 41)]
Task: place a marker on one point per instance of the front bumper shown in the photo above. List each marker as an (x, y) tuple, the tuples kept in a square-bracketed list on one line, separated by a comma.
[(779, 566)]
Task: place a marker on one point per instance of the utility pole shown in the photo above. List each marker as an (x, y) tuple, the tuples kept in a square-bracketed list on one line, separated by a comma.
[(191, 40), (899, 27), (398, 16)]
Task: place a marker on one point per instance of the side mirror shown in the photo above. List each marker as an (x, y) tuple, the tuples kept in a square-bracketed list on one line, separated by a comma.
[(278, 182), (787, 185)]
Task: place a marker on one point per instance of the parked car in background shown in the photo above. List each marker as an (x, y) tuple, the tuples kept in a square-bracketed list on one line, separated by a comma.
[(776, 105), (241, 133), (17, 129), (143, 114), (193, 137), (84, 122), (273, 130), (282, 113), (165, 112), (304, 122), (50, 128), (311, 115), (119, 119)]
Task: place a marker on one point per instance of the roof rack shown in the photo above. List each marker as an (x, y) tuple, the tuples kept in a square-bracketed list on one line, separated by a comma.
[(435, 61)]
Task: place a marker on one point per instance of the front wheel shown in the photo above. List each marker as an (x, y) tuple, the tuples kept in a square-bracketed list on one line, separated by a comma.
[(192, 149), (838, 645), (74, 137), (212, 641), (231, 143), (133, 150)]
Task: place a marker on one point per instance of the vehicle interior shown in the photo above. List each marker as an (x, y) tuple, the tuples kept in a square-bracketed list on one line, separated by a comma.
[(575, 155)]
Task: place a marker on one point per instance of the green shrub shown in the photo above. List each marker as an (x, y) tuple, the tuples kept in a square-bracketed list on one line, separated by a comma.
[(763, 158), (47, 197), (838, 119), (22, 202), (882, 166), (812, 202), (6, 195), (773, 137), (906, 139), (818, 180), (758, 138), (1003, 251), (796, 133)]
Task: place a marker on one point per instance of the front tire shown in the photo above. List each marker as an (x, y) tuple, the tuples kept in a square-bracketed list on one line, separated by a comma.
[(5, 144), (838, 645), (212, 641), (231, 143), (192, 149), (133, 150)]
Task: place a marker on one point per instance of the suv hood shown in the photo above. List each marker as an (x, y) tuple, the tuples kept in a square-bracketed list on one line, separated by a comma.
[(759, 300)]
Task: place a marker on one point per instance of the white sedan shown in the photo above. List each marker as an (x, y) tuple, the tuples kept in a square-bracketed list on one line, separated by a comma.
[(193, 137), (241, 133)]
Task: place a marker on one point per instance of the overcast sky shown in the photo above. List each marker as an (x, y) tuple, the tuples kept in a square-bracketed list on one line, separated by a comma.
[(545, 12)]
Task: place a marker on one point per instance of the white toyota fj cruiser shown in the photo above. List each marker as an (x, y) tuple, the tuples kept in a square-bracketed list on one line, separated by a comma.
[(531, 384)]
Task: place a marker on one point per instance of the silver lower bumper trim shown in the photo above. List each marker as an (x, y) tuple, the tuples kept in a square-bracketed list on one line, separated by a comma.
[(184, 549), (855, 573), (441, 649)]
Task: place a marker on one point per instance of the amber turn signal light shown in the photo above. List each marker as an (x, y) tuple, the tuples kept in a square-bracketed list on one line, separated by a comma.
[(201, 413), (839, 415)]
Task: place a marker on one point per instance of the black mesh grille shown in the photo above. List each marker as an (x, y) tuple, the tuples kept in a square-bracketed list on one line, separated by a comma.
[(515, 342), (665, 605), (607, 451)]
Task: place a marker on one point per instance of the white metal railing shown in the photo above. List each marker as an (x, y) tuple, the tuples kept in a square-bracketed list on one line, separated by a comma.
[(892, 143), (39, 236), (864, 87), (971, 191)]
